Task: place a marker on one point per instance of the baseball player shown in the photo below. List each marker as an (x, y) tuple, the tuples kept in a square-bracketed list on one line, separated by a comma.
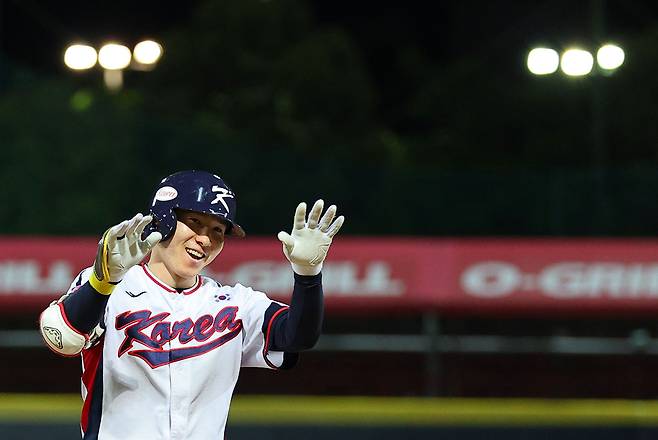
[(162, 345)]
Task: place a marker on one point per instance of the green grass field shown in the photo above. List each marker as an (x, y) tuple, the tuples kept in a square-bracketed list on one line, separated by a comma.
[(369, 411)]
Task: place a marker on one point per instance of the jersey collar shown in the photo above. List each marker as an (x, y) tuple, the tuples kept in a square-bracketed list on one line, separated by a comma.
[(162, 285)]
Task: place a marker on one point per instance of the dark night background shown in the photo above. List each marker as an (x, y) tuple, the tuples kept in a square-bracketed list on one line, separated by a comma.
[(416, 110), (416, 118)]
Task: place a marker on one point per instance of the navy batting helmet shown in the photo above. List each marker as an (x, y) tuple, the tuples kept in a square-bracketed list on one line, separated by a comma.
[(193, 190)]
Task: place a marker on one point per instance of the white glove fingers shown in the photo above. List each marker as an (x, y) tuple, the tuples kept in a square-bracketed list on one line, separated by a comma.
[(300, 217), (142, 225), (286, 239), (116, 231), (132, 226), (120, 229), (314, 215), (335, 227), (326, 219), (150, 241)]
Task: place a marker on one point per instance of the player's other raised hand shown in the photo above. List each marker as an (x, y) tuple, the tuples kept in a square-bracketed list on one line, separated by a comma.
[(120, 248), (307, 245)]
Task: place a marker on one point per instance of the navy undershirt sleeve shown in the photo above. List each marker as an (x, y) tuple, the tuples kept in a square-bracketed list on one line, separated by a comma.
[(299, 327), (85, 307)]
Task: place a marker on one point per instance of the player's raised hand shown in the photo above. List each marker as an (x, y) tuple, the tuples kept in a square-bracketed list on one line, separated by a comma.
[(307, 245), (120, 248)]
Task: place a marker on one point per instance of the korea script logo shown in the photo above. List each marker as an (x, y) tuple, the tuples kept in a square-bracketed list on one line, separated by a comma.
[(135, 325)]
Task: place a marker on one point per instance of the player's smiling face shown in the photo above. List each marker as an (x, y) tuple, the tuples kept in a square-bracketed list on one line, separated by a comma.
[(198, 239)]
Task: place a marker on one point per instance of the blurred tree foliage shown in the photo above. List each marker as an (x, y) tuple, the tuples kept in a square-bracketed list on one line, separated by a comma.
[(287, 110)]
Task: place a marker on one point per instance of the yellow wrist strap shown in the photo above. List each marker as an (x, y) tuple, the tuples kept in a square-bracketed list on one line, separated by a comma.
[(102, 284), (104, 287)]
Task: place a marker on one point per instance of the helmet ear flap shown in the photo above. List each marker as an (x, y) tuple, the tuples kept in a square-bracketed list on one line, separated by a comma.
[(165, 225)]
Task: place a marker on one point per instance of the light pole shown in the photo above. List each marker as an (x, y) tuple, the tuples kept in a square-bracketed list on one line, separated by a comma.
[(579, 62), (599, 142)]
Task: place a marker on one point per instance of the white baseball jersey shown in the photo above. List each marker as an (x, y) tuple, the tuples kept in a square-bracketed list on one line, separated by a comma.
[(168, 361)]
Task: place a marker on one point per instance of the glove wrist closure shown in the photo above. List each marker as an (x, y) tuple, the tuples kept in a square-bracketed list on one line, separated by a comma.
[(306, 270), (103, 287)]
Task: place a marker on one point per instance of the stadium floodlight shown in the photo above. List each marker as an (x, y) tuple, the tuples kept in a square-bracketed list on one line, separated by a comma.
[(114, 56), (576, 62), (147, 52), (543, 61), (80, 57), (610, 57)]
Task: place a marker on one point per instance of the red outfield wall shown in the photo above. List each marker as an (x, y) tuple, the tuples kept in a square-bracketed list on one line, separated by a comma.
[(483, 276)]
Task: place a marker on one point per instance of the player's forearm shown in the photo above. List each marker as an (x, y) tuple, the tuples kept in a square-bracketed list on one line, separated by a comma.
[(85, 308), (299, 328)]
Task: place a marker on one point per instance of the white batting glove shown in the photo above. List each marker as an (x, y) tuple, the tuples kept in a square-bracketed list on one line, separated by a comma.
[(120, 248), (307, 245)]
